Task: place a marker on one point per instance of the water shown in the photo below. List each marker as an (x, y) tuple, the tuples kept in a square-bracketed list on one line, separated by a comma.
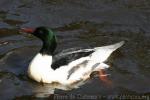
[(76, 23)]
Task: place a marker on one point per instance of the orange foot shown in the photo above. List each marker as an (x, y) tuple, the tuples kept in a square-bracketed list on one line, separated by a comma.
[(103, 77)]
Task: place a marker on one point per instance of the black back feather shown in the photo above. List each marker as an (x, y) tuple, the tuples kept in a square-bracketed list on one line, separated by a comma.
[(59, 60)]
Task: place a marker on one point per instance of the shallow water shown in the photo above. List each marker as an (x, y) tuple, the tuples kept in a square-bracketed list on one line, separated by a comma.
[(76, 23)]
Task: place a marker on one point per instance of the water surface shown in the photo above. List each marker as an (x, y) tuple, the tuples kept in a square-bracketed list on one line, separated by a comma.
[(76, 23)]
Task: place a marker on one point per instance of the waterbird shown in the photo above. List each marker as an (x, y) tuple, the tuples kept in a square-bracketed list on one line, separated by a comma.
[(66, 68)]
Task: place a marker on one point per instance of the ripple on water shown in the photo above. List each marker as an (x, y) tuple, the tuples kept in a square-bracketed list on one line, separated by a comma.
[(76, 23)]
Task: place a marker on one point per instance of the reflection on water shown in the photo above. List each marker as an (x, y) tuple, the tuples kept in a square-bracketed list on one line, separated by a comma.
[(77, 23)]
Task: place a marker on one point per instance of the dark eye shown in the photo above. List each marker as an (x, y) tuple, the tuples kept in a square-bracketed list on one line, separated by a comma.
[(40, 32)]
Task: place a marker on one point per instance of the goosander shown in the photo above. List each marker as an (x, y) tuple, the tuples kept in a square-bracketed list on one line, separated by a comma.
[(70, 67)]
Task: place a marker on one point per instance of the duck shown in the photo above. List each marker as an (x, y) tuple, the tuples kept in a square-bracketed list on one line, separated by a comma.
[(69, 67)]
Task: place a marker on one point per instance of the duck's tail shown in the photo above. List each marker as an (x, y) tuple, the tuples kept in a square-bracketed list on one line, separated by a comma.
[(102, 53), (112, 47)]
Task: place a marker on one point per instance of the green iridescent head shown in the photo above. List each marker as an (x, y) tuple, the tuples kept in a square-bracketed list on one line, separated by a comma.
[(47, 36)]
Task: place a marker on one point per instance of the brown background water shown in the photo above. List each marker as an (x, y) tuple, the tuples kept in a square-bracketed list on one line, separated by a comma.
[(77, 23)]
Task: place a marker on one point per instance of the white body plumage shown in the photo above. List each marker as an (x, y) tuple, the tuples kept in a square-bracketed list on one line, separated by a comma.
[(78, 70)]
